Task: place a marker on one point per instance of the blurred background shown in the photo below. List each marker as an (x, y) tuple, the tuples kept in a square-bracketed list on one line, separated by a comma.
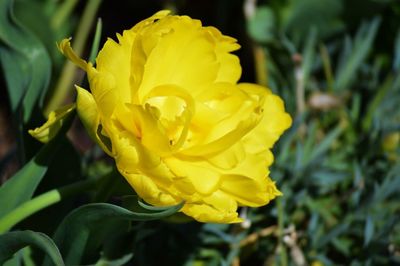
[(336, 64)]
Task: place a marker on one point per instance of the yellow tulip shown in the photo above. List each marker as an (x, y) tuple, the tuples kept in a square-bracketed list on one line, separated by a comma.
[(164, 102)]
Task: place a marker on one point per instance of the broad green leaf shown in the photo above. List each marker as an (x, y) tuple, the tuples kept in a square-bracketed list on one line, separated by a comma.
[(32, 15), (21, 258), (25, 62), (14, 261), (12, 242), (298, 16), (261, 25), (20, 187), (74, 232)]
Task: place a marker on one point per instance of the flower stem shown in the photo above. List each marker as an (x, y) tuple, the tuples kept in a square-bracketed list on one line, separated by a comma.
[(281, 246), (44, 200), (300, 90), (66, 80), (62, 13)]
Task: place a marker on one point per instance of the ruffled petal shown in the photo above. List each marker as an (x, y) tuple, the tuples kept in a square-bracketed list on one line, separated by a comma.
[(229, 64), (272, 125), (229, 158), (201, 175), (143, 123), (134, 158), (65, 48), (216, 208), (148, 190), (176, 44), (249, 192), (114, 59), (236, 114)]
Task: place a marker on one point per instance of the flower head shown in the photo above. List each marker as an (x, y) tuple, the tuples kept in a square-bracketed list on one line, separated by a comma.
[(164, 102)]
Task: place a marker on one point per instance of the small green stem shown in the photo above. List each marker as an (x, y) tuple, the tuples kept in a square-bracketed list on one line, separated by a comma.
[(281, 246), (62, 13), (326, 62), (260, 58), (44, 200), (66, 80), (88, 18)]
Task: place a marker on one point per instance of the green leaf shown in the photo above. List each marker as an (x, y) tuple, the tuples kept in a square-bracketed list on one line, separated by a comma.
[(325, 144), (382, 91), (32, 15), (11, 242), (308, 55), (335, 232), (73, 233), (343, 244), (388, 187), (25, 62), (396, 60), (20, 187), (14, 261), (116, 262), (96, 41), (298, 16), (261, 25), (368, 230), (363, 41)]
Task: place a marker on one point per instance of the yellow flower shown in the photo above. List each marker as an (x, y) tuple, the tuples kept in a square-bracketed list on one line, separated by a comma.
[(165, 104)]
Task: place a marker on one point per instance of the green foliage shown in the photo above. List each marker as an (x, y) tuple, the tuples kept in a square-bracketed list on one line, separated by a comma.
[(260, 26), (76, 231), (13, 241), (25, 182), (354, 53), (338, 181), (338, 166), (25, 62)]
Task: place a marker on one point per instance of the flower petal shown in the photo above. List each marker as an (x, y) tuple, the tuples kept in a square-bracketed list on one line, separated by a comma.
[(179, 43), (115, 60), (216, 208), (65, 48), (274, 122), (89, 115), (203, 177), (229, 65), (148, 190), (176, 107), (249, 192), (52, 126)]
